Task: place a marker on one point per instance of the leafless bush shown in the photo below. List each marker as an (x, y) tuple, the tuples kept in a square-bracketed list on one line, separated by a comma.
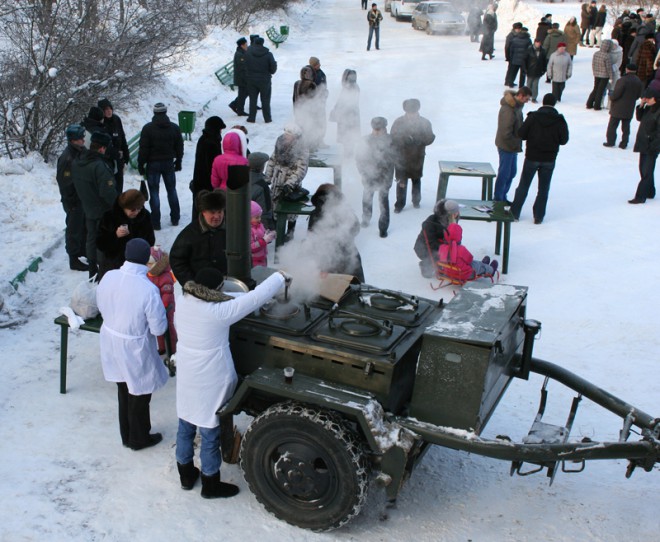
[(235, 14), (58, 58)]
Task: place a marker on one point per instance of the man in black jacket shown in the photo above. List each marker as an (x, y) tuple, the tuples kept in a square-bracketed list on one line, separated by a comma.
[(203, 242), (95, 186), (544, 130), (74, 236), (260, 65), (114, 127), (161, 153), (240, 78), (647, 144), (209, 145), (626, 92)]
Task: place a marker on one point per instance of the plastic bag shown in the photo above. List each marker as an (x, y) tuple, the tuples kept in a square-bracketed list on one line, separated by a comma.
[(83, 299)]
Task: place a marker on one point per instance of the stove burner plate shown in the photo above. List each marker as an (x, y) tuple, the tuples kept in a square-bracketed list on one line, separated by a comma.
[(359, 328), (387, 303), (280, 311)]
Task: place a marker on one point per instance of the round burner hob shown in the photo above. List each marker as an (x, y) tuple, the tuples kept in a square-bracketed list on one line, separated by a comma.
[(278, 310)]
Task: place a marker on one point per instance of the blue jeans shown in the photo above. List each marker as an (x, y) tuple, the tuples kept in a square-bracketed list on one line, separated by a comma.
[(374, 30), (505, 173), (209, 453), (155, 170), (544, 170)]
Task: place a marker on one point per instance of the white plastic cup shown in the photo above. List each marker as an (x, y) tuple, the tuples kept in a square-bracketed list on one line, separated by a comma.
[(288, 374)]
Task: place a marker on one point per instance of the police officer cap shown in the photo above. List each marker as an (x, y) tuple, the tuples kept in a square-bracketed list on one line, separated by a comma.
[(379, 123), (102, 139), (75, 131)]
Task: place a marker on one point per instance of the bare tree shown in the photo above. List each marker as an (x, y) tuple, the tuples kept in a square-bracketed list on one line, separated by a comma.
[(60, 57)]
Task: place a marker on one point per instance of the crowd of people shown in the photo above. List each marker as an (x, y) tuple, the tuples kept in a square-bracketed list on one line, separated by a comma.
[(111, 234)]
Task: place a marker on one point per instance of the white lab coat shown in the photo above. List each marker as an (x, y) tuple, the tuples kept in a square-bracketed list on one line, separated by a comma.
[(205, 373), (133, 315)]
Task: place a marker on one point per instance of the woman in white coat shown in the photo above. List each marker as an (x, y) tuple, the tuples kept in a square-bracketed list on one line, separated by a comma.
[(133, 316), (206, 377)]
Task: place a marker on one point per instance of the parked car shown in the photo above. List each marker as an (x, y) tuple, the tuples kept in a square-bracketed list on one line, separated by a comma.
[(403, 9), (438, 17)]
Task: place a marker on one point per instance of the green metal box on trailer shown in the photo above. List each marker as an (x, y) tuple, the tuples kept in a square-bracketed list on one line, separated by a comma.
[(469, 356)]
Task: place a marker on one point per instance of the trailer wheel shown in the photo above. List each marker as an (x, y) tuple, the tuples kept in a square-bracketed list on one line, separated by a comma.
[(306, 466)]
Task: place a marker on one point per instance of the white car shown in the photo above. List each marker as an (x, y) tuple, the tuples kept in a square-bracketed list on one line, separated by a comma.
[(403, 9), (388, 5), (438, 17)]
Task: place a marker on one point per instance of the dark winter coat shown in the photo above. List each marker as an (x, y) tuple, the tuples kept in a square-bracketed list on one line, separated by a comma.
[(94, 183), (554, 38), (601, 17), (544, 130), (112, 247), (70, 199), (432, 233), (208, 147), (411, 134), (509, 120), (626, 92), (196, 247), (648, 133), (507, 45), (474, 20), (115, 128), (240, 70), (542, 30), (489, 28), (535, 62), (635, 46), (160, 141), (375, 160), (259, 63), (593, 13), (518, 48), (645, 60), (261, 194)]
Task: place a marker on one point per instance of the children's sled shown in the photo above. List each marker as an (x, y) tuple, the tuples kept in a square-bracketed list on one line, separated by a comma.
[(448, 274)]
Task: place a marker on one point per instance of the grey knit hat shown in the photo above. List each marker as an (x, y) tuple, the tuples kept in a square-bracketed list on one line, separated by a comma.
[(160, 107)]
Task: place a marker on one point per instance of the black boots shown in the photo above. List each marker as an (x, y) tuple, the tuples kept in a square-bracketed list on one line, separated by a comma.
[(76, 265), (188, 475), (213, 488)]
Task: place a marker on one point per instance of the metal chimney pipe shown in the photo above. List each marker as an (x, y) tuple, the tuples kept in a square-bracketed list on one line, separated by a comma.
[(239, 257)]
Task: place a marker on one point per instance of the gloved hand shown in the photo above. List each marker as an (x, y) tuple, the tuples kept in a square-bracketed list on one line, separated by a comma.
[(269, 236), (287, 278), (177, 165), (142, 170)]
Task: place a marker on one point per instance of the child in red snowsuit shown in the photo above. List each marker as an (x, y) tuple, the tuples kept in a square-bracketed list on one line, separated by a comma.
[(259, 237), (451, 251), (160, 273)]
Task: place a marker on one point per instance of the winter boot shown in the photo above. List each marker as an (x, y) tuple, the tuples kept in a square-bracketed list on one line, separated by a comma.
[(213, 488), (76, 265), (486, 260), (188, 475), (494, 265)]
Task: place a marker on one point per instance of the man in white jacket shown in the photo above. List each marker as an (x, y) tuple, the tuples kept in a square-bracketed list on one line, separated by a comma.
[(206, 377), (133, 316)]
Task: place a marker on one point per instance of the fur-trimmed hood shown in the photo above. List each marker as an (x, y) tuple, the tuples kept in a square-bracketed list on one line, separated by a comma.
[(205, 294)]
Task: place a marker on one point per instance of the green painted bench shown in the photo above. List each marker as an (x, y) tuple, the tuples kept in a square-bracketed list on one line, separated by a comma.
[(278, 37), (133, 148), (226, 75)]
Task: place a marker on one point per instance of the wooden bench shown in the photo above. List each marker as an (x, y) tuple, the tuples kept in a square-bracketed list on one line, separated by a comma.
[(226, 75), (503, 218), (466, 169), (277, 37), (93, 325)]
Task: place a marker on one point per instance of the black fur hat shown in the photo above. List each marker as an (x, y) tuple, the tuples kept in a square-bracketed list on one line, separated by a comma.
[(211, 201)]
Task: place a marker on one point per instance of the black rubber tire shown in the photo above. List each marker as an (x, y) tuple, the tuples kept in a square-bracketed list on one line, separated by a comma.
[(306, 466)]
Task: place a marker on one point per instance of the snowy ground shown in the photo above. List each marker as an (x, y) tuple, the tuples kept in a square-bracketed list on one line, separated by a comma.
[(64, 474)]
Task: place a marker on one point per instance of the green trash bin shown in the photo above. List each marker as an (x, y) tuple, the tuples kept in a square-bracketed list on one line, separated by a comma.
[(187, 123), (284, 30)]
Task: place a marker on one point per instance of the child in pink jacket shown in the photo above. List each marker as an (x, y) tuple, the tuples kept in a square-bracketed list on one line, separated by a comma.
[(160, 273), (451, 251), (259, 236), (234, 151)]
